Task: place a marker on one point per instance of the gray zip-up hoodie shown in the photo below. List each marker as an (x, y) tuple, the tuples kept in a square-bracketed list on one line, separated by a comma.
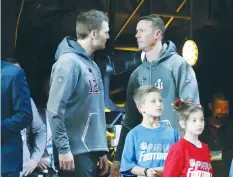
[(170, 73), (76, 101)]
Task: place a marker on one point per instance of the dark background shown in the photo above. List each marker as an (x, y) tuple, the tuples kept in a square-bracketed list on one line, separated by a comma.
[(44, 23)]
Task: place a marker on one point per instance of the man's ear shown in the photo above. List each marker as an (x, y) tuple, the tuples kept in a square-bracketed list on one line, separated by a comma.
[(210, 106), (93, 34), (182, 124), (157, 34)]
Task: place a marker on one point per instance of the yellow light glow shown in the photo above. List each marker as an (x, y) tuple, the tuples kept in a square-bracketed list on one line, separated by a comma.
[(190, 52)]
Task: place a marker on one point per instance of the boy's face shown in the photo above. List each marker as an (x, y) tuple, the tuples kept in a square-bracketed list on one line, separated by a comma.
[(152, 105), (195, 123)]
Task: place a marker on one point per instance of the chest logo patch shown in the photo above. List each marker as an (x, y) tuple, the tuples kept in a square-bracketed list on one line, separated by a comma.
[(60, 79)]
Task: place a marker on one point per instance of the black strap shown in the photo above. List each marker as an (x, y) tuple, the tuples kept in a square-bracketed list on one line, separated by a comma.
[(145, 171)]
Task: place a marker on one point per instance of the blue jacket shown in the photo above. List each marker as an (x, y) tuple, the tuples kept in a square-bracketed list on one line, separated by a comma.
[(231, 169), (16, 114)]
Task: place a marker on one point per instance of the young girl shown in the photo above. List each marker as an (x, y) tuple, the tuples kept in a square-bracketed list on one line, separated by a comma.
[(189, 157)]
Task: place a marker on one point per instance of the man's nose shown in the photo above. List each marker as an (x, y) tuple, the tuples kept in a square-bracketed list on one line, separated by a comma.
[(222, 110)]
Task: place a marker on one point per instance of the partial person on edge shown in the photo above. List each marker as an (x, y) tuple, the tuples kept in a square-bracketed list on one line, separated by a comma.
[(34, 137), (16, 114)]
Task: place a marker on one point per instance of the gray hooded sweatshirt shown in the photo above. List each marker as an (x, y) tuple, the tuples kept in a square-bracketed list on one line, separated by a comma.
[(76, 101), (170, 73)]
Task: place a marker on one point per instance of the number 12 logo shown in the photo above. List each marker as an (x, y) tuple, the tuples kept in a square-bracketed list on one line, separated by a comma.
[(93, 87)]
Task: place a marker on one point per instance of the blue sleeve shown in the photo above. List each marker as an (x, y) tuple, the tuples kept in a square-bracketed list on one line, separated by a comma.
[(177, 136), (231, 169), (22, 116), (128, 159)]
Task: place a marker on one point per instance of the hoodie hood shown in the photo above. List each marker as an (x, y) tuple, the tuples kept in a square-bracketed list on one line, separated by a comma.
[(168, 50), (70, 45)]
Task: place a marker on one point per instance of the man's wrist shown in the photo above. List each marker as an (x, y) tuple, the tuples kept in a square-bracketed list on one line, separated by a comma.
[(145, 171), (64, 151)]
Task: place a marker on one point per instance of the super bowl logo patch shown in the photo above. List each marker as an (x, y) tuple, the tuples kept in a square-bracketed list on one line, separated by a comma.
[(143, 146), (192, 162), (150, 147), (159, 84), (60, 79), (188, 80)]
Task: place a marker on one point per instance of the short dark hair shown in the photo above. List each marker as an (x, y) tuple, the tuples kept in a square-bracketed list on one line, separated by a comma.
[(11, 60), (88, 21), (157, 22), (220, 96)]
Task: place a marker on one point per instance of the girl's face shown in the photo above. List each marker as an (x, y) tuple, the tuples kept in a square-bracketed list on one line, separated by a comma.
[(195, 123)]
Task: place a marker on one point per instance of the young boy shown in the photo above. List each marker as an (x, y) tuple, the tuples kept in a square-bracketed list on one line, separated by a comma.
[(147, 145)]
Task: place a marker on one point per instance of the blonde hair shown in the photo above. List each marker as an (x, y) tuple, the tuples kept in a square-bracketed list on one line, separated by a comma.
[(185, 108), (141, 93)]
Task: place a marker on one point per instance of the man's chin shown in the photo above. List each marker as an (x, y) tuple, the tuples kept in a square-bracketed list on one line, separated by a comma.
[(101, 48), (140, 48), (221, 117)]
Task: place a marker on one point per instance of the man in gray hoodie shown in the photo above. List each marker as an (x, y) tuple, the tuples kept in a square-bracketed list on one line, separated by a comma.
[(162, 68), (76, 101)]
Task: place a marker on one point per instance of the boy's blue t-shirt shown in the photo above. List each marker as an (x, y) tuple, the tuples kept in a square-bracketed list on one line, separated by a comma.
[(147, 148)]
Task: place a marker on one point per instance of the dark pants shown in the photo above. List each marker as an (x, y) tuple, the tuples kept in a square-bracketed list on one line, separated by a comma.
[(10, 174), (85, 166)]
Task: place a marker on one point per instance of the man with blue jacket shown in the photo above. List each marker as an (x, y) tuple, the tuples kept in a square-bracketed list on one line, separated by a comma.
[(76, 101), (16, 114), (162, 68), (34, 137)]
